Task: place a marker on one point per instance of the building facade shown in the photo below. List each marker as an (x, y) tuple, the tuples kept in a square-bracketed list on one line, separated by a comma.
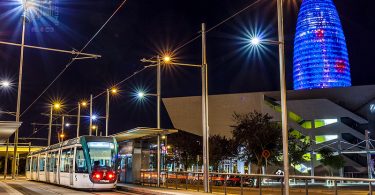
[(336, 118)]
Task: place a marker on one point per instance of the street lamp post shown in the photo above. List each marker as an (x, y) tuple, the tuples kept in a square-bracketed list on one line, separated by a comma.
[(205, 128), (50, 125), (284, 112), (112, 91), (158, 94), (107, 113), (78, 118), (19, 90), (62, 124), (90, 126), (53, 106)]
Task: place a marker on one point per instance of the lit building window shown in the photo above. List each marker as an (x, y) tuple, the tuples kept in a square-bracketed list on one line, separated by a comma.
[(323, 122), (325, 138)]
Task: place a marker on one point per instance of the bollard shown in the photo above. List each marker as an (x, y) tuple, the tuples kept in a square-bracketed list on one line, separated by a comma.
[(241, 185), (370, 188), (225, 184), (143, 178), (176, 181), (336, 192), (166, 180), (211, 183), (260, 185), (198, 182), (186, 181), (306, 187), (149, 178)]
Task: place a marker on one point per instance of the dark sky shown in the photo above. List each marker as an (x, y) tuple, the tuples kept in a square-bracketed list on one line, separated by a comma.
[(143, 28)]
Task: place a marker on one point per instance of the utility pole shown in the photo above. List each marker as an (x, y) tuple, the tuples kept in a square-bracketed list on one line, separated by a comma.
[(62, 124), (205, 127), (18, 109), (368, 154), (107, 114), (6, 160), (78, 118), (50, 125), (284, 113), (90, 128), (158, 94)]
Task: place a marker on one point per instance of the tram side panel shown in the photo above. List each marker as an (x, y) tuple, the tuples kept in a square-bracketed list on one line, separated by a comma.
[(81, 172)]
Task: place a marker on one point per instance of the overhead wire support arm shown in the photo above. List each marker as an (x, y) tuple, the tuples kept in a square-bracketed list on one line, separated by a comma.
[(73, 52)]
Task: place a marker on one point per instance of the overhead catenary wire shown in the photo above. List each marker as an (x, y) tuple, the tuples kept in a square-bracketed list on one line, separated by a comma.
[(74, 58), (175, 50), (98, 95), (217, 25)]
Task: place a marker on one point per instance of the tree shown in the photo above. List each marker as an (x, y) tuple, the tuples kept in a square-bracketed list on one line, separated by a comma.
[(221, 148), (333, 162), (186, 148), (254, 132), (298, 147)]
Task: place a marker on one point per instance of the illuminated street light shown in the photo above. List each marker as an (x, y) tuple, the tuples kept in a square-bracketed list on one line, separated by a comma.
[(67, 125), (167, 59), (5, 84), (94, 117), (141, 95), (84, 104), (57, 106), (255, 41), (114, 91)]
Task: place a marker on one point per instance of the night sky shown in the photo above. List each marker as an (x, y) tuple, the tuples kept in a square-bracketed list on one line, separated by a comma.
[(144, 28)]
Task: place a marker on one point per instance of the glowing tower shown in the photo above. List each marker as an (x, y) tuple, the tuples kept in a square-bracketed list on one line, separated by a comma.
[(320, 54)]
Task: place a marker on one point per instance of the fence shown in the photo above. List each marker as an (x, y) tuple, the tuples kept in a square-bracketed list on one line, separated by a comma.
[(250, 183)]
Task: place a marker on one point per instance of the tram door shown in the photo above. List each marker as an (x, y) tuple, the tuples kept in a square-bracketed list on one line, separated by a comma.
[(48, 158), (55, 165), (71, 170), (126, 175)]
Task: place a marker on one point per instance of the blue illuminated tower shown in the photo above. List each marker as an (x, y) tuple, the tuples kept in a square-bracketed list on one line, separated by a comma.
[(320, 54)]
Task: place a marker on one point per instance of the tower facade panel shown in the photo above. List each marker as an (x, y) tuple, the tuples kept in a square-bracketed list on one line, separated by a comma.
[(320, 53)]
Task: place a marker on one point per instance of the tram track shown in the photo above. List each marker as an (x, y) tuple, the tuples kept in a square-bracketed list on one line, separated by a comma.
[(40, 188)]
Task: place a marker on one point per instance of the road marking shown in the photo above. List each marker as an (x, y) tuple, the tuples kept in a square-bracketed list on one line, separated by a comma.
[(8, 189)]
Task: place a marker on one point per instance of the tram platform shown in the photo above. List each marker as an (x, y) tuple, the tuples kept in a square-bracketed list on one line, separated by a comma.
[(153, 190)]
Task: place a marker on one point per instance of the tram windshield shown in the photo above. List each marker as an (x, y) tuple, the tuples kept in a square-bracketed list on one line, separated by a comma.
[(102, 154)]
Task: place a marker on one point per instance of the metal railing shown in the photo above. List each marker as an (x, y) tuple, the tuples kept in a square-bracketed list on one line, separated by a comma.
[(241, 183)]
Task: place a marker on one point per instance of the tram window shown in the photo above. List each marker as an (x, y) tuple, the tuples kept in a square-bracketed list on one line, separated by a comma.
[(64, 160), (41, 163), (28, 164), (80, 161), (51, 161), (101, 154), (34, 163), (65, 156), (56, 159)]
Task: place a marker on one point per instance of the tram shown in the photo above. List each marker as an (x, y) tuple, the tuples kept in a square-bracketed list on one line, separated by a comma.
[(86, 162)]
